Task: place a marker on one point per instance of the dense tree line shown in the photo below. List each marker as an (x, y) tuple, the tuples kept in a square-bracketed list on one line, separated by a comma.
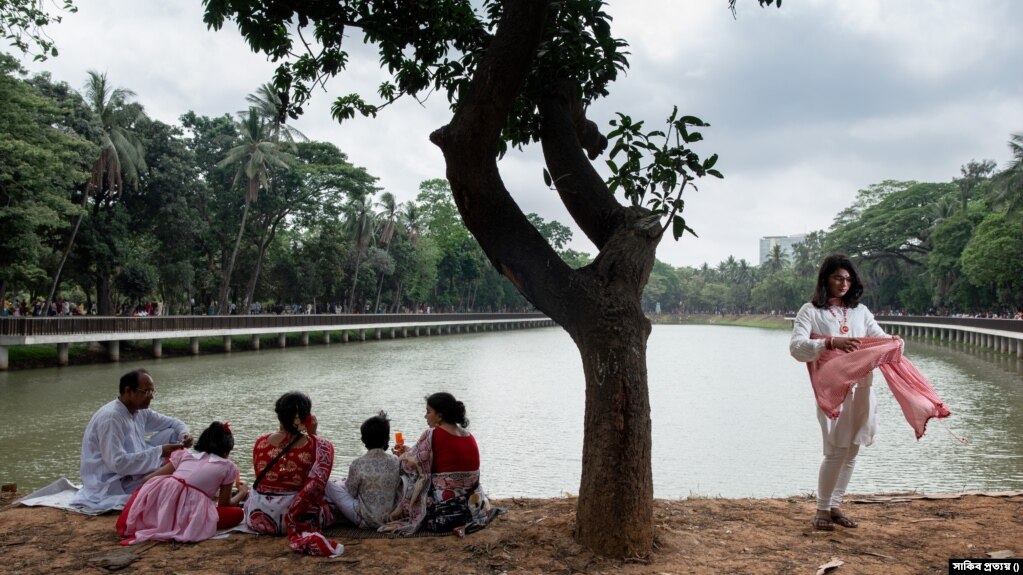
[(104, 207), (944, 248)]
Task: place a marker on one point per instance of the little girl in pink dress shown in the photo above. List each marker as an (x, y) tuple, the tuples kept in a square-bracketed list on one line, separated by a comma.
[(175, 502)]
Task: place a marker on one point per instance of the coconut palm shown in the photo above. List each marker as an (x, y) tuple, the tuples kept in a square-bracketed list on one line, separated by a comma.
[(360, 224), (776, 259), (412, 221), (412, 224), (122, 155), (273, 111), (1009, 190), (943, 209), (253, 158), (388, 219), (974, 173)]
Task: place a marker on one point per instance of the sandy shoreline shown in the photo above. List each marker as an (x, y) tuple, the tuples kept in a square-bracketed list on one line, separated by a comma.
[(700, 535)]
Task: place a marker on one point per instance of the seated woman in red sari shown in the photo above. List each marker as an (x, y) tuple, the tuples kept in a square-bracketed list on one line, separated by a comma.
[(292, 467), (440, 475)]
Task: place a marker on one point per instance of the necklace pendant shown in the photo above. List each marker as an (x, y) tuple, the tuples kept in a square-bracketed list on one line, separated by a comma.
[(845, 329)]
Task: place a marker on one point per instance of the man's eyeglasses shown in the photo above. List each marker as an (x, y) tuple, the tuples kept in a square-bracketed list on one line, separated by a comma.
[(147, 392)]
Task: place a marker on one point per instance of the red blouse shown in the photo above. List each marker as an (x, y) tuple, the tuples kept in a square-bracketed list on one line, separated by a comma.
[(290, 472), (454, 452)]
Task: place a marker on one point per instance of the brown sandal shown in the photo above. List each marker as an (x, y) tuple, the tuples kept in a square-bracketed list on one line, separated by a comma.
[(843, 520), (823, 523)]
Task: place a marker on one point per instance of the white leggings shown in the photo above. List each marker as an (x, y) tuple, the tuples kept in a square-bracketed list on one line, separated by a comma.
[(836, 469)]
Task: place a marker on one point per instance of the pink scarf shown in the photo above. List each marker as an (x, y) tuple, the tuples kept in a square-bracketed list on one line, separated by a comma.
[(834, 373)]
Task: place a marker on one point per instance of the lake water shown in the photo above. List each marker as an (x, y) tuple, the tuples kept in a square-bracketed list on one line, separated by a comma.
[(733, 413)]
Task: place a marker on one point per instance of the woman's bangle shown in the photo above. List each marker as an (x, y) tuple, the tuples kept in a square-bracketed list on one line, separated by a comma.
[(828, 343)]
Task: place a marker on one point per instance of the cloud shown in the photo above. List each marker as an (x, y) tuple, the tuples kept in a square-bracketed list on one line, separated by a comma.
[(807, 104)]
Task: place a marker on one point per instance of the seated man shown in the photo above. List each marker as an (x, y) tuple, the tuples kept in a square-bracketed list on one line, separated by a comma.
[(367, 496), (115, 452)]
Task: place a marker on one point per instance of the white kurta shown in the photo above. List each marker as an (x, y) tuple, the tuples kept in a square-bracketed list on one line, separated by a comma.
[(116, 455), (857, 422)]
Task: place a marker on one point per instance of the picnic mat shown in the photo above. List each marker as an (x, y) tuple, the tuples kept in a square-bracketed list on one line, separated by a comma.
[(352, 532), (58, 495)]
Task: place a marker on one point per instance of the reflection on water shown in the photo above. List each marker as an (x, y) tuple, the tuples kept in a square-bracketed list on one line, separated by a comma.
[(733, 414)]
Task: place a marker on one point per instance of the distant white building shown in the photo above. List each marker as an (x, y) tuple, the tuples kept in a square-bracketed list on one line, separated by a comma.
[(767, 244)]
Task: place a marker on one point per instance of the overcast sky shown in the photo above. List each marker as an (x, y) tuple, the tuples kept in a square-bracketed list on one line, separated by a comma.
[(807, 104)]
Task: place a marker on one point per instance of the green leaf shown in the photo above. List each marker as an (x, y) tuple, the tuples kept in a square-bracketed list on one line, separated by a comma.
[(678, 226), (715, 173), (547, 180)]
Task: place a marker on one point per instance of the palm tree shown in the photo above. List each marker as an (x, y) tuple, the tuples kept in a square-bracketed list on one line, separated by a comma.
[(360, 224), (974, 173), (1009, 191), (121, 158), (388, 218), (412, 221), (776, 259), (943, 209), (254, 157), (412, 224), (274, 112)]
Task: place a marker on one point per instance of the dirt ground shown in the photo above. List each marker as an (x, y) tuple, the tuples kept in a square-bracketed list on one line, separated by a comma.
[(897, 535)]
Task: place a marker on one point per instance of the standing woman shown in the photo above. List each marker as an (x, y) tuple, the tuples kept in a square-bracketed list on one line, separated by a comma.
[(292, 466), (835, 320)]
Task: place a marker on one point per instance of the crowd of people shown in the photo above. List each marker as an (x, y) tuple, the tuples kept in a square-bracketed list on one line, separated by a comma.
[(23, 308), (139, 461), (1004, 314), (26, 308)]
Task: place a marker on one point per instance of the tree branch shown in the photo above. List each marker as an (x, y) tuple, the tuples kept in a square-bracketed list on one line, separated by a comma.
[(470, 144), (580, 187)]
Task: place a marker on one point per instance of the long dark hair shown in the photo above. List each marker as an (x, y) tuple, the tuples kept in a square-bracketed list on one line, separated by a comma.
[(290, 405), (216, 439), (830, 265), (450, 409)]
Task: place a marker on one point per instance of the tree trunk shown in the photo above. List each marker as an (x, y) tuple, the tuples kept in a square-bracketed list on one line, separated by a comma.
[(615, 509), (380, 289), (63, 260), (225, 278), (355, 282), (396, 304), (250, 289), (104, 304), (380, 284), (599, 304)]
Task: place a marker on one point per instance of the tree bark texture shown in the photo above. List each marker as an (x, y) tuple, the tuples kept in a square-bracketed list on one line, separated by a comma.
[(598, 305)]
